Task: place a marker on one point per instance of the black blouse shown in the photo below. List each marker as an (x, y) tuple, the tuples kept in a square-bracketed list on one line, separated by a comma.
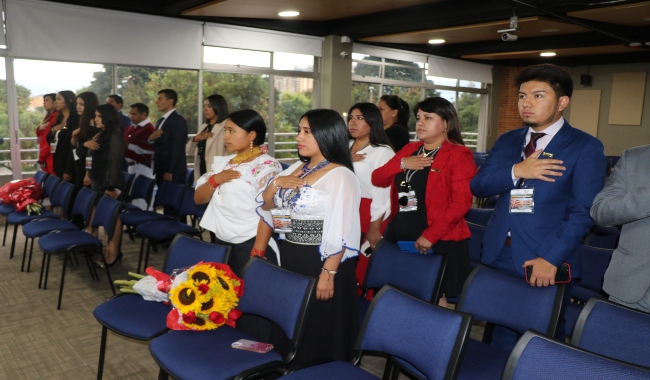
[(398, 135), (106, 169)]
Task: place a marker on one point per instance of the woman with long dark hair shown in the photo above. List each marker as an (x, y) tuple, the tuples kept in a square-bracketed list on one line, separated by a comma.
[(231, 185), (60, 134), (209, 142), (45, 158), (430, 193), (106, 152), (319, 195), (370, 149), (87, 103), (395, 114)]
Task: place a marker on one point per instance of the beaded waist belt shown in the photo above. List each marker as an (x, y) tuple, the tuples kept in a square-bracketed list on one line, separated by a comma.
[(309, 232)]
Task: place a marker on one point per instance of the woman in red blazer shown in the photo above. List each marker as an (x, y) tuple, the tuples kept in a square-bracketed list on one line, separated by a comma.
[(430, 193)]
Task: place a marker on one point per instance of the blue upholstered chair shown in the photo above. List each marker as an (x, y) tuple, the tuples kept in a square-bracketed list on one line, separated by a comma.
[(6, 209), (82, 207), (128, 183), (479, 216), (270, 292), (142, 188), (166, 229), (603, 237), (615, 331), (475, 243), (430, 338), (539, 357), (70, 243), (594, 264), (131, 316), (412, 273), (501, 299), (60, 198)]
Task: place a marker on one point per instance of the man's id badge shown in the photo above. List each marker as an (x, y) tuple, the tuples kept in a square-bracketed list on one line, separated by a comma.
[(522, 201), (281, 220)]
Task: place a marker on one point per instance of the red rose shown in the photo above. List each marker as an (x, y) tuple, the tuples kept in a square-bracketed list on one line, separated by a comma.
[(189, 317), (203, 288), (217, 318)]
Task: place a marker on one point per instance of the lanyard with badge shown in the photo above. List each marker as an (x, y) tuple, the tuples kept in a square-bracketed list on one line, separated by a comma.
[(282, 216), (406, 198), (522, 199)]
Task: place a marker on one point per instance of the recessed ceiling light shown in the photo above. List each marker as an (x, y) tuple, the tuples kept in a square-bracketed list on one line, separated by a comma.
[(635, 44), (288, 13), (553, 30), (437, 41), (547, 54)]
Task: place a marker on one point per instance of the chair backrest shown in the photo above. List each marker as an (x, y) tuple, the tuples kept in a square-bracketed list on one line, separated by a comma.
[(613, 330), (539, 357), (594, 265), (40, 176), (429, 337), (185, 251), (491, 202), (106, 214), (479, 216), (415, 274), (475, 243), (284, 165), (83, 204), (170, 194), (189, 207), (62, 195), (603, 237), (142, 188), (50, 185), (506, 300), (189, 177), (278, 295)]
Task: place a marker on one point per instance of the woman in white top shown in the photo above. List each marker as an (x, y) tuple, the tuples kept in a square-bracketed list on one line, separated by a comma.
[(320, 194), (208, 143), (231, 187), (370, 149)]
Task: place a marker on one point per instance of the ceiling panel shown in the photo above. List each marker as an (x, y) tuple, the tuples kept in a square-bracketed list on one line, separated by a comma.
[(630, 14), (534, 54), (529, 27), (314, 10)]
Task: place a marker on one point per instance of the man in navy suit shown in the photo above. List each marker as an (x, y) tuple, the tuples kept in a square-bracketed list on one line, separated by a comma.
[(117, 102), (547, 175), (168, 140)]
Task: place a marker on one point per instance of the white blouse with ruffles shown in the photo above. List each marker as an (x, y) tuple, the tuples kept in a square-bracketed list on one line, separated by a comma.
[(376, 157), (334, 198), (232, 213)]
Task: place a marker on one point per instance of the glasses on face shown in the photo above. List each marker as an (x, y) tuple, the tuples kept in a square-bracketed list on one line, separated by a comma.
[(404, 187)]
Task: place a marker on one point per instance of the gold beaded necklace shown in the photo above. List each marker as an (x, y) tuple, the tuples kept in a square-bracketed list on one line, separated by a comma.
[(247, 155)]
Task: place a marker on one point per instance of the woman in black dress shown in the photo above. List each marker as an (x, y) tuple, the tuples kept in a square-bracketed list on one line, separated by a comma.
[(395, 113), (61, 133), (87, 103), (104, 163)]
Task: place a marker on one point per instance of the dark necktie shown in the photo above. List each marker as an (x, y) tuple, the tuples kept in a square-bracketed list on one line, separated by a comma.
[(159, 122), (532, 144)]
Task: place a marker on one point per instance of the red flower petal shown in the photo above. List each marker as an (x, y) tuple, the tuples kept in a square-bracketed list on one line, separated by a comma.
[(189, 317), (203, 288)]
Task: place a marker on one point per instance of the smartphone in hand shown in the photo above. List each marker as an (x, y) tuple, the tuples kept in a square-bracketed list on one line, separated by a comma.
[(562, 276)]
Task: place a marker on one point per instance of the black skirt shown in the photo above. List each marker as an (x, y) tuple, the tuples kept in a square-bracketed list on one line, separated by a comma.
[(331, 326)]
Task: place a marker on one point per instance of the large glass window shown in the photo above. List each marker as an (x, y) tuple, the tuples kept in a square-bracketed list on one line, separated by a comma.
[(293, 99), (5, 148), (375, 76)]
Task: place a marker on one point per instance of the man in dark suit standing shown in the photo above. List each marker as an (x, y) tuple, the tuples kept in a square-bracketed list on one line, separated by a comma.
[(168, 140), (117, 102), (547, 175)]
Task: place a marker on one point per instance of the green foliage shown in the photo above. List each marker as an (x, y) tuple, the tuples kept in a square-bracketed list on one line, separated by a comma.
[(101, 85), (468, 109), (287, 116)]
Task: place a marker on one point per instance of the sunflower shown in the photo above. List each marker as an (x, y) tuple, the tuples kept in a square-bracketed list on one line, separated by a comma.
[(184, 298)]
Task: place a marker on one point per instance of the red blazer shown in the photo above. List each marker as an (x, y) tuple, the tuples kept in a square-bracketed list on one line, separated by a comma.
[(448, 196), (41, 136)]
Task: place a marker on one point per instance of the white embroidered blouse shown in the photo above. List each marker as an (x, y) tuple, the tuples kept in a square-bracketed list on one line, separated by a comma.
[(333, 199), (376, 157), (232, 213)]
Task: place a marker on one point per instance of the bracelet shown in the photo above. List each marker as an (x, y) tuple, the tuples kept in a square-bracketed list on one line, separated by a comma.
[(402, 165), (258, 252), (212, 182), (328, 271), (275, 184)]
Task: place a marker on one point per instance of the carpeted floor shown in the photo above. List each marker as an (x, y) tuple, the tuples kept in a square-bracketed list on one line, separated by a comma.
[(39, 342)]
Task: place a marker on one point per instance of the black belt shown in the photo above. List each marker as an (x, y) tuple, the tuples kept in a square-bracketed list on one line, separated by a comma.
[(508, 242)]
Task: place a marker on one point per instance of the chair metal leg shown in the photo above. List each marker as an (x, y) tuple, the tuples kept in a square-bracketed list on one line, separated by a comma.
[(65, 261), (108, 275), (22, 266), (146, 256), (162, 375), (47, 269), (141, 253), (4, 239), (29, 262), (91, 267), (13, 242), (102, 352), (40, 279)]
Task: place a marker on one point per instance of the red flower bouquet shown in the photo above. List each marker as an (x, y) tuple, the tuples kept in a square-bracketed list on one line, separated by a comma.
[(24, 194)]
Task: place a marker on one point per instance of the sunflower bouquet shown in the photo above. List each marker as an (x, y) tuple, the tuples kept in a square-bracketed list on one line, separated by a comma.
[(205, 297)]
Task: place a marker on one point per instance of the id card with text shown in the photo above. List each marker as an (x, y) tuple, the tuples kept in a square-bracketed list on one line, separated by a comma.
[(522, 201)]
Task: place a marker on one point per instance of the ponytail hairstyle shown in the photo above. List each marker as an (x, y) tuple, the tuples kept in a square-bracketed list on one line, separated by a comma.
[(394, 102)]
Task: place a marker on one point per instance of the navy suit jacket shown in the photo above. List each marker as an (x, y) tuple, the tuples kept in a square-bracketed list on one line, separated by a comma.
[(561, 214), (169, 149)]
